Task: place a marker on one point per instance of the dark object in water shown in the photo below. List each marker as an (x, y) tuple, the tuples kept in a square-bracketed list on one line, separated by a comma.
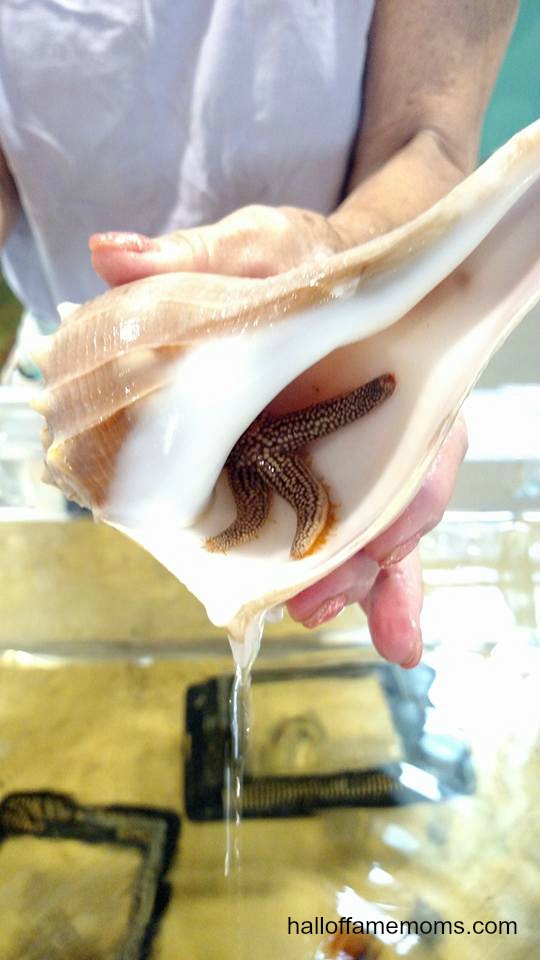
[(151, 831), (430, 767)]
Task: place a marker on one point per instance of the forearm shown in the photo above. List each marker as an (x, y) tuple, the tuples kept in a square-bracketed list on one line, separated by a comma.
[(411, 181), (430, 71), (9, 201)]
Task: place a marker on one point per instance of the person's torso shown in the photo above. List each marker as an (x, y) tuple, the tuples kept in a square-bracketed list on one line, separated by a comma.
[(153, 115)]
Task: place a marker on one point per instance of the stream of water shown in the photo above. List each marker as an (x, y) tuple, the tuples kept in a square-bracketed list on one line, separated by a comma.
[(239, 712), (234, 769)]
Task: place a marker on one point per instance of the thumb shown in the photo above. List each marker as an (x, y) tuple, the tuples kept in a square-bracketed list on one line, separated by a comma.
[(254, 241)]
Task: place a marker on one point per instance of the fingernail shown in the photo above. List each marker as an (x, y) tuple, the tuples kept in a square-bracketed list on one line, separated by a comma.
[(401, 551), (116, 240), (352, 580), (327, 611)]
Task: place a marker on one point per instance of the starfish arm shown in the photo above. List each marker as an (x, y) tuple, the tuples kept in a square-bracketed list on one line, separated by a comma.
[(252, 499), (293, 430), (263, 459), (293, 480)]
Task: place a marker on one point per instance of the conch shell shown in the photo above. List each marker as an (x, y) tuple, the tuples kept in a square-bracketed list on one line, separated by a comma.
[(150, 386)]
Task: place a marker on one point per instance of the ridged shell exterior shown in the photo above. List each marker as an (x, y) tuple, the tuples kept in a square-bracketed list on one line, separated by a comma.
[(430, 302)]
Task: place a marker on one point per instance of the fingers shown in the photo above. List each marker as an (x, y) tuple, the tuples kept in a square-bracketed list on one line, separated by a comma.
[(392, 599), (393, 608), (427, 508), (394, 603), (323, 601), (386, 576)]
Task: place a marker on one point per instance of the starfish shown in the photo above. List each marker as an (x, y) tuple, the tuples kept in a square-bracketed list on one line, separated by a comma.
[(266, 459)]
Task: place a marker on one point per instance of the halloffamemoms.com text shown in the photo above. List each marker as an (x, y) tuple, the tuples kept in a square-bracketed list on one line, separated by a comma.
[(381, 928)]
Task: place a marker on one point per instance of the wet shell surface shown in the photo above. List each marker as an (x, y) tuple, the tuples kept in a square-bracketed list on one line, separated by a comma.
[(151, 387)]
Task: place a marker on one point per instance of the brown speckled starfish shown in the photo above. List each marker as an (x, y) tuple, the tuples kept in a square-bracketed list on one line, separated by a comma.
[(265, 459)]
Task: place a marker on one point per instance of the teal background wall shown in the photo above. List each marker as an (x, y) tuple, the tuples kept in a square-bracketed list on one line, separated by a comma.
[(515, 103), (516, 98)]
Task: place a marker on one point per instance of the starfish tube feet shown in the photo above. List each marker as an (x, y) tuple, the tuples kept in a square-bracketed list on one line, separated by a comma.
[(264, 459), (252, 499), (293, 430), (296, 483)]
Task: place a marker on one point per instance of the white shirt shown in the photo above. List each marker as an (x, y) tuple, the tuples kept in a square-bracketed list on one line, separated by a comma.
[(153, 115)]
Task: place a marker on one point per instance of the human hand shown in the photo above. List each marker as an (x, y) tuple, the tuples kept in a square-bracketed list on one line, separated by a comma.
[(258, 241), (385, 578), (254, 241)]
